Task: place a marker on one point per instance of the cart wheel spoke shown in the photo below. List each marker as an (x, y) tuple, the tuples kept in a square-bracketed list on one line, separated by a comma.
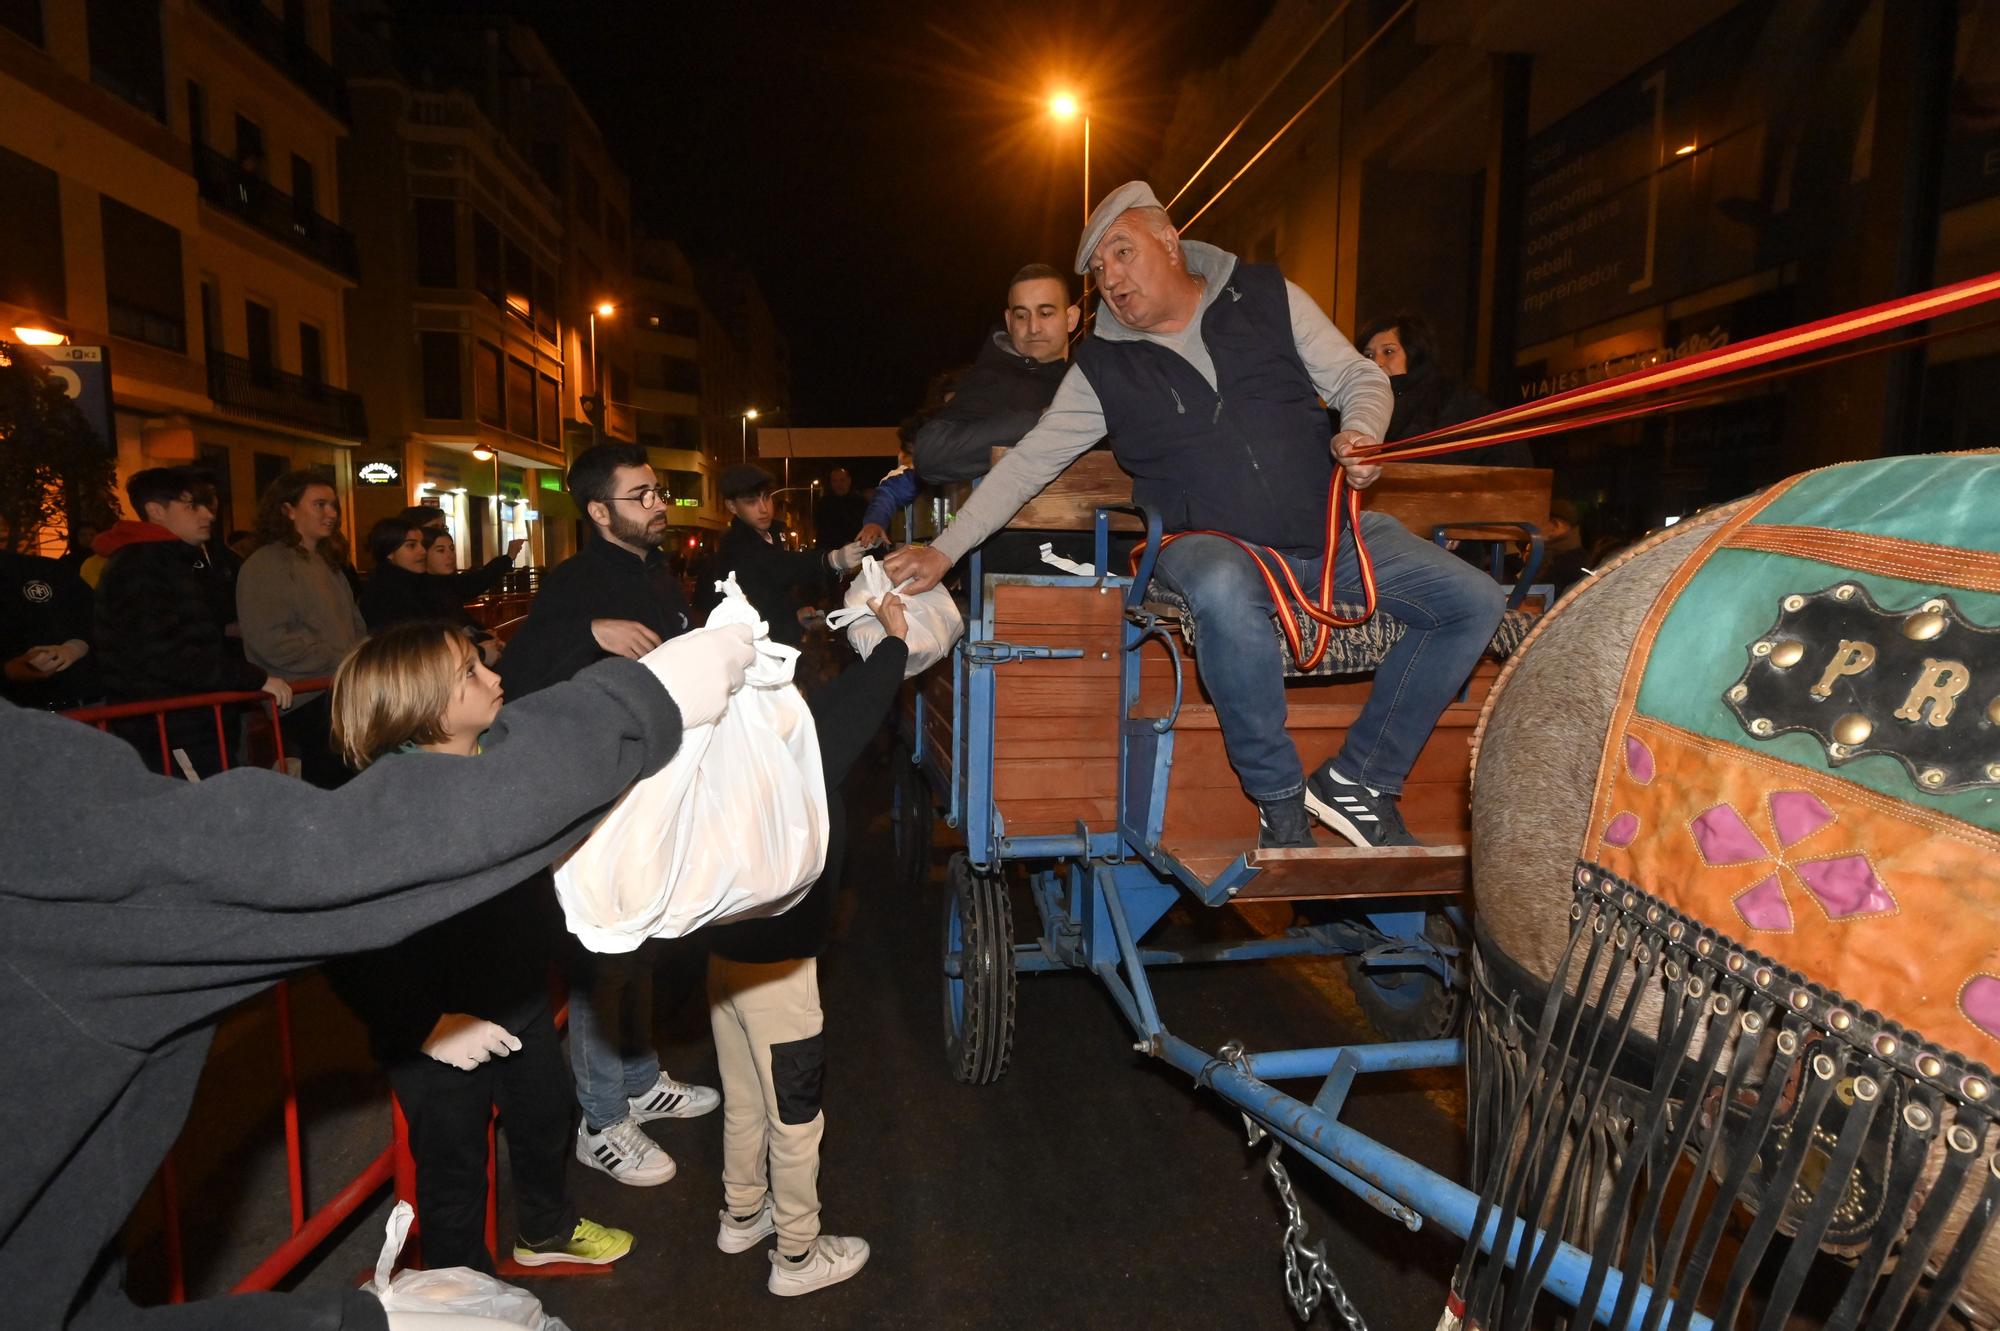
[(978, 963)]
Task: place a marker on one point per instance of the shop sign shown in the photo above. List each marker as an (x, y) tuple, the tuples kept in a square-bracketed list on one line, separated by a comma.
[(379, 473), (85, 376)]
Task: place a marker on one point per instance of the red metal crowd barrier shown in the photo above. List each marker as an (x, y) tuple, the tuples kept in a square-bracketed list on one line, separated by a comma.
[(393, 1165)]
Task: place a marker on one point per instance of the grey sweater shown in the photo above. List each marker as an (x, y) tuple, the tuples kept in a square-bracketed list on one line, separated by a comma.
[(297, 613), (1348, 381), (136, 909)]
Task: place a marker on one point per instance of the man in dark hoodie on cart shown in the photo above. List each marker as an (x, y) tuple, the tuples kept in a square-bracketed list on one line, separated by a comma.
[(1212, 378), (135, 909)]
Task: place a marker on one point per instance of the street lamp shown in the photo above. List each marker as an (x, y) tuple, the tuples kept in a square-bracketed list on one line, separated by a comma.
[(30, 335), (1064, 106), (604, 309), (745, 420)]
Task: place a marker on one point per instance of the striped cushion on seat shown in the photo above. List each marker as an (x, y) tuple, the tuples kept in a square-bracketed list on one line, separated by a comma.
[(1352, 651)]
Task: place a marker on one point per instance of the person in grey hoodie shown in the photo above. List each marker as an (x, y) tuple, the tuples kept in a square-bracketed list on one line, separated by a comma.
[(135, 909), (296, 610), (1212, 378)]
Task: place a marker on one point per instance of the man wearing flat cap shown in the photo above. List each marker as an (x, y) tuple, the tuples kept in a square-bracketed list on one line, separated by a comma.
[(770, 575), (1208, 375)]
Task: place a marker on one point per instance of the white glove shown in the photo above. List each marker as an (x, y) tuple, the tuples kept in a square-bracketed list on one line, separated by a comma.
[(465, 1041), (701, 669), (847, 558)]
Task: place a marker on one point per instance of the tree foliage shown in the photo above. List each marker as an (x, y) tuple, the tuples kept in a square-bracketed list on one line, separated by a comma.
[(54, 469)]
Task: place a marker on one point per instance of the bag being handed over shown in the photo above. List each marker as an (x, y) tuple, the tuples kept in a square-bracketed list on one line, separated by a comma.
[(935, 622), (735, 825)]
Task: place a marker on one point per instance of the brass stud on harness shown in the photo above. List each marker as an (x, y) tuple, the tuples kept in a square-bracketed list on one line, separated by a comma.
[(1885, 1046), (1865, 1088), (1761, 726), (1919, 1118), (1924, 625), (1993, 771), (1788, 1042), (1788, 653), (1795, 602), (1696, 986), (1934, 605), (1845, 591), (1631, 900), (1675, 930), (1801, 1000), (1930, 1065), (1975, 1089), (1960, 1139), (1735, 961), (1852, 729), (1704, 946), (1822, 1066), (1752, 1023), (1763, 976), (1993, 711), (1653, 915), (1739, 693), (1761, 648), (1840, 1021), (1721, 1005), (1583, 878), (1933, 776)]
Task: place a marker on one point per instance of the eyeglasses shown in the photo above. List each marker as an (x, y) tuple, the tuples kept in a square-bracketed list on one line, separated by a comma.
[(649, 498)]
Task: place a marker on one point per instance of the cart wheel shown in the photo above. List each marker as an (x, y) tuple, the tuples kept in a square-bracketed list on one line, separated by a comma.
[(979, 999), (1410, 1004), (910, 815)]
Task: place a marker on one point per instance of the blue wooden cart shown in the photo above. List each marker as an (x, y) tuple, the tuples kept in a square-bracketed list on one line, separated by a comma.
[(1067, 740)]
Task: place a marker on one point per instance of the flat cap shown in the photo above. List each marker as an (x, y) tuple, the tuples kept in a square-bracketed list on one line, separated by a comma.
[(1132, 194), (745, 478)]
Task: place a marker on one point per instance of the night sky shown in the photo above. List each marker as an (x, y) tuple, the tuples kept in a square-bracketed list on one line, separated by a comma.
[(882, 168)]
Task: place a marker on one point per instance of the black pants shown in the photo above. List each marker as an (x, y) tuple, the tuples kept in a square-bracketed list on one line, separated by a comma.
[(447, 1111)]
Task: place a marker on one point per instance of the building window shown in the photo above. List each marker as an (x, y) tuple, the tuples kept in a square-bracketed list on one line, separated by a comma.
[(621, 384), (312, 357), (547, 397), (683, 484), (587, 204), (249, 146), (676, 319), (266, 468), (211, 319), (545, 303), (437, 243), (520, 278), (444, 393), (23, 17), (127, 56), (486, 258), (142, 276), (520, 398), (197, 114), (674, 374), (486, 399), (305, 190), (262, 352), (31, 237)]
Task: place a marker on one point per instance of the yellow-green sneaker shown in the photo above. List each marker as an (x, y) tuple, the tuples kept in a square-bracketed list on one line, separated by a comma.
[(590, 1244)]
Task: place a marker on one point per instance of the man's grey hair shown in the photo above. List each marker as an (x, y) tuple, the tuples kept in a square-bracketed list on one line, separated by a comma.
[(1156, 219)]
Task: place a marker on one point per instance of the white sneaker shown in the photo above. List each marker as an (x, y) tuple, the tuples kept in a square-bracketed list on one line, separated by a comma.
[(828, 1262), (625, 1152), (673, 1099), (741, 1236)]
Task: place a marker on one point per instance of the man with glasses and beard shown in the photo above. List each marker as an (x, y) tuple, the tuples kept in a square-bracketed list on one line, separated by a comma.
[(618, 596)]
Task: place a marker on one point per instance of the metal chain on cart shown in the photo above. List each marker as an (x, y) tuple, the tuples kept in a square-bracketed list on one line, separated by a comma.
[(1308, 1276)]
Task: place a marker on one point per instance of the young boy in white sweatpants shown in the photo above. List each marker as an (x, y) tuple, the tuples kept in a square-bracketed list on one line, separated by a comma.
[(763, 994)]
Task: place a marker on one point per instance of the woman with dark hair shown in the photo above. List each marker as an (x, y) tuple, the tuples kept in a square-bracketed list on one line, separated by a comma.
[(296, 609), (1426, 399), (401, 587)]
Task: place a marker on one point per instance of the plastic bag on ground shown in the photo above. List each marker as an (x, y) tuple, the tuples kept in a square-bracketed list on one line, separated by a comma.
[(451, 1296), (734, 826), (935, 621)]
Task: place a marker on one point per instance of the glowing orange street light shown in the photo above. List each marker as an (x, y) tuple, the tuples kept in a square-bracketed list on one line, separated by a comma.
[(605, 309), (1065, 106), (29, 335)]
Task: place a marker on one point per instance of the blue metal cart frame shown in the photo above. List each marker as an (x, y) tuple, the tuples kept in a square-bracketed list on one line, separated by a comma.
[(1099, 894)]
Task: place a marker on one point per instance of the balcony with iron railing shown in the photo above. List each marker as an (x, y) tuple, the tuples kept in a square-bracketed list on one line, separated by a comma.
[(285, 48), (262, 205), (272, 394)]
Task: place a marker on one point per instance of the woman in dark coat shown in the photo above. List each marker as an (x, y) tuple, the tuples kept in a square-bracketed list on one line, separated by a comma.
[(1426, 399)]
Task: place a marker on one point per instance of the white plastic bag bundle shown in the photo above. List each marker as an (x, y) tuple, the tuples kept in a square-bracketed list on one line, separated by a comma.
[(735, 825), (935, 622), (451, 1296)]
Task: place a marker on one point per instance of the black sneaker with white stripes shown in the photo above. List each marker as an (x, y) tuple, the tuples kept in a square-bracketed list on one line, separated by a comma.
[(1283, 825), (1362, 814)]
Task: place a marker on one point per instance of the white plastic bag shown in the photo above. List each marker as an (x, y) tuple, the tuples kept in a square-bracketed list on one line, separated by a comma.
[(451, 1296), (735, 825), (935, 622)]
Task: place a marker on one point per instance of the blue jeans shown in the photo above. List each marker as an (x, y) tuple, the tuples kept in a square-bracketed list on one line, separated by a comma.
[(611, 1032), (1450, 607)]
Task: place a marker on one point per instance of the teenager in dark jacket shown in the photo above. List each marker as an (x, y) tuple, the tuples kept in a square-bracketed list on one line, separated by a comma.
[(472, 582), (135, 910), (763, 994), (400, 588), (157, 625), (618, 596), (45, 633), (779, 582)]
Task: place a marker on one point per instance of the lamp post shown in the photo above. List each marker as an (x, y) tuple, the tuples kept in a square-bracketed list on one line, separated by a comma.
[(1064, 106), (744, 420), (605, 309)]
